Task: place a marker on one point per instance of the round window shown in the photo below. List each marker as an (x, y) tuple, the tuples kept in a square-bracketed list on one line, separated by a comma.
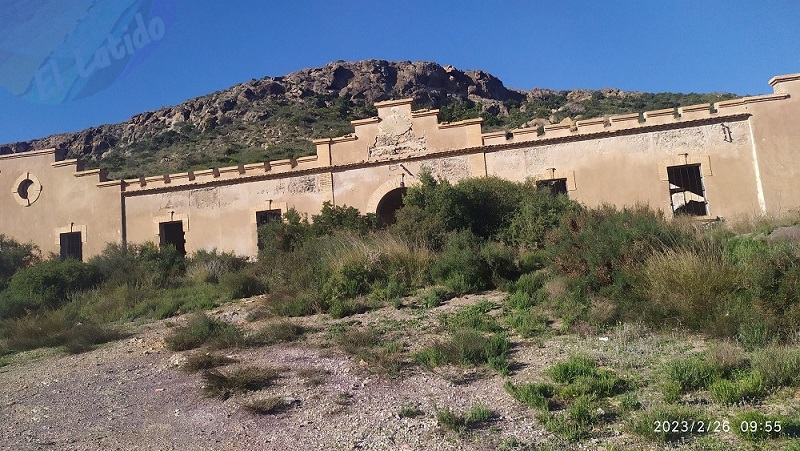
[(27, 189), (22, 189)]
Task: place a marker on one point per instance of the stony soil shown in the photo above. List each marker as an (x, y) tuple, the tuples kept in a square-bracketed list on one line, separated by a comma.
[(132, 394)]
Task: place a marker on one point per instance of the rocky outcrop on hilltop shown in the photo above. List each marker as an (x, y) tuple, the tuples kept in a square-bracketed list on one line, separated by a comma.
[(274, 117)]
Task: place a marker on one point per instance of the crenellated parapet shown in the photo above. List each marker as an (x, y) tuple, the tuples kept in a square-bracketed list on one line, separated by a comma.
[(632, 122)]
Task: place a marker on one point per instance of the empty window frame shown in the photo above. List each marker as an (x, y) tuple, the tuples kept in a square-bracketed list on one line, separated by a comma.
[(686, 191), (171, 234), (71, 246), (556, 186), (266, 217)]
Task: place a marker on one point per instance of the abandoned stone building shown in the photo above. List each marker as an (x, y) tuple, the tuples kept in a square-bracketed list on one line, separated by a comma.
[(737, 157)]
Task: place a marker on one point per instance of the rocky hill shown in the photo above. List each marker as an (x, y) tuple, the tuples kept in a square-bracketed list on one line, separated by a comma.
[(275, 117)]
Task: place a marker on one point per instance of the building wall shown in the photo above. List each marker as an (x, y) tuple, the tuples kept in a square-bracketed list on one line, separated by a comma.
[(629, 169), (69, 200), (776, 131), (746, 149), (221, 217)]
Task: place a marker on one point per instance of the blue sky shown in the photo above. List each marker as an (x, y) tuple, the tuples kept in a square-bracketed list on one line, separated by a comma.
[(200, 46)]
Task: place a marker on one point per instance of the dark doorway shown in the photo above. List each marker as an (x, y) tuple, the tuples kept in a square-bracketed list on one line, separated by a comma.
[(388, 206), (171, 234), (687, 195), (71, 246), (556, 186), (266, 217)]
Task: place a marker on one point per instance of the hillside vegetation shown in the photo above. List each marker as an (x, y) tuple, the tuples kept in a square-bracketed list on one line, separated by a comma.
[(276, 117)]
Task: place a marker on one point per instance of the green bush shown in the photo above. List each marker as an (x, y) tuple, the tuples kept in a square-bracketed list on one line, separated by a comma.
[(169, 302), (747, 387), (211, 266), (460, 266), (205, 361), (341, 308), (432, 209), (47, 285), (526, 323), (773, 280), (342, 218), (697, 288), (602, 249), (434, 297), (582, 378), (520, 300), (576, 366), (531, 284), (476, 416), (473, 317), (276, 332), (537, 395), (575, 423), (140, 265), (13, 257), (468, 347), (277, 238), (536, 215), (242, 284), (691, 373)]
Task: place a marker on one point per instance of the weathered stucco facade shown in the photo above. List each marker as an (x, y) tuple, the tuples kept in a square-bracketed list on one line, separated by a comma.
[(737, 157)]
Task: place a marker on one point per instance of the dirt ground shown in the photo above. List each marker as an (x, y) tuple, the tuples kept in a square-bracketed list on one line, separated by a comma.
[(133, 394)]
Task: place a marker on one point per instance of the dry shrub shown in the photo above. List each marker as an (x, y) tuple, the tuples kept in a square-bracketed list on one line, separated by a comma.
[(696, 287), (266, 406), (727, 357), (205, 361), (238, 380)]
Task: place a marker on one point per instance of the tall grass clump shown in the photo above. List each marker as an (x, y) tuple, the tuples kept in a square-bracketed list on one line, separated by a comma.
[(687, 374), (54, 329), (201, 330), (698, 288), (469, 347), (777, 366)]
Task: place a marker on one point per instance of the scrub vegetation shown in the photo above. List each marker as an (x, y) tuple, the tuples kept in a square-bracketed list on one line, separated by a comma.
[(562, 270)]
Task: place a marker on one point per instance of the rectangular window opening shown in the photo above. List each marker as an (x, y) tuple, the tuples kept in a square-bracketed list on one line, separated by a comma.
[(556, 186), (71, 246), (171, 234), (686, 191), (266, 217)]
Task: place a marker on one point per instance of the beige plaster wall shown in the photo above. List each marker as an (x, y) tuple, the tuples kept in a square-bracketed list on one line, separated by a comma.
[(365, 187), (222, 217), (776, 132), (625, 170), (68, 201)]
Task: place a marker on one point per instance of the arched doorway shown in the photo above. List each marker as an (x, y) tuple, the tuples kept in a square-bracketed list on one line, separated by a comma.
[(388, 206)]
